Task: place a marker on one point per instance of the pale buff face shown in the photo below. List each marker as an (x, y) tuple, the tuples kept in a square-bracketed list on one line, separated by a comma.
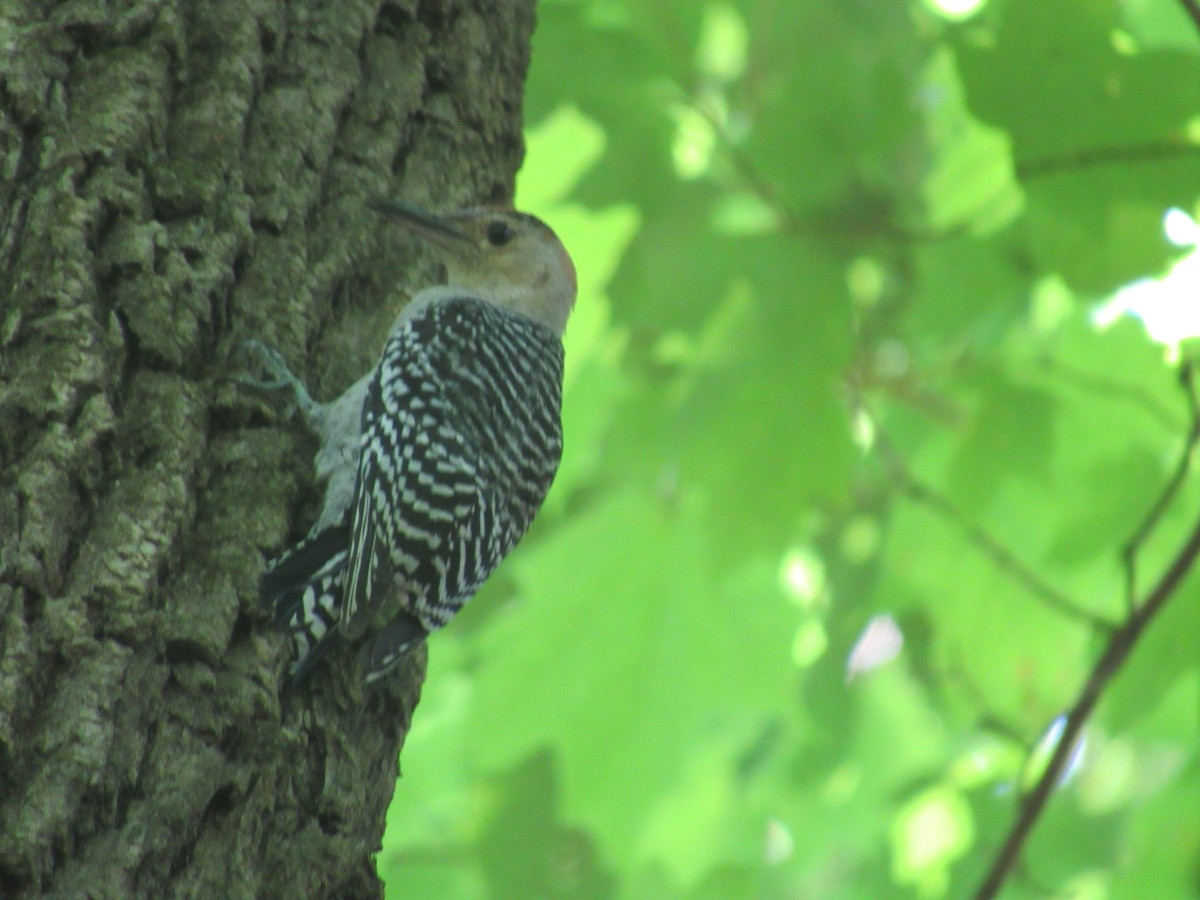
[(510, 258)]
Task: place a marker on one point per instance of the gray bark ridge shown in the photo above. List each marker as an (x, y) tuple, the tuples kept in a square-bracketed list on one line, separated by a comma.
[(178, 177)]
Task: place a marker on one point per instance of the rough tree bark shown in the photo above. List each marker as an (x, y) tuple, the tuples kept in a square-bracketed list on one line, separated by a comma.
[(178, 175)]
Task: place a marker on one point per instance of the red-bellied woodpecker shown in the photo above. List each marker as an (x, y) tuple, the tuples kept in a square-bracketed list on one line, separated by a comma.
[(438, 459)]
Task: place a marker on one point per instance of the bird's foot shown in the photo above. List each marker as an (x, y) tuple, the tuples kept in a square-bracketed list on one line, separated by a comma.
[(278, 377)]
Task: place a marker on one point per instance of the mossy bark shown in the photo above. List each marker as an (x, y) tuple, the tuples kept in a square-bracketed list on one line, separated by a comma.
[(176, 176)]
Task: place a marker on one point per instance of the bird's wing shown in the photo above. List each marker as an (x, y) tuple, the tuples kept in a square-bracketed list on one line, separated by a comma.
[(461, 438)]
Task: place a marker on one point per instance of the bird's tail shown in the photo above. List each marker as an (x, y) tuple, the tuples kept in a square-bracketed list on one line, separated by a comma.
[(303, 587), (386, 648)]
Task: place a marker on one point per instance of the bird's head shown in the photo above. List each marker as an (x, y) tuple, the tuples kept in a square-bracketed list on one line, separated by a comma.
[(509, 258)]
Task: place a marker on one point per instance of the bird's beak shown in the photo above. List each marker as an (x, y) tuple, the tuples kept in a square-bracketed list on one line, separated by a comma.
[(419, 220)]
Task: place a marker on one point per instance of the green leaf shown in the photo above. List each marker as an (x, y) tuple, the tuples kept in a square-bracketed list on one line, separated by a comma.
[(1054, 78), (1099, 131), (966, 291), (526, 851), (623, 599), (990, 638), (1009, 432)]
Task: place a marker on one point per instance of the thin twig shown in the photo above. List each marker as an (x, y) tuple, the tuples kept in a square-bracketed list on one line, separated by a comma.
[(1119, 646), (1142, 533), (870, 220), (1003, 558), (873, 219), (1092, 157), (758, 184), (989, 719), (1110, 389)]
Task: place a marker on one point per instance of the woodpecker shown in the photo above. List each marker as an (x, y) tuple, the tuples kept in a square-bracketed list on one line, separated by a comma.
[(436, 460)]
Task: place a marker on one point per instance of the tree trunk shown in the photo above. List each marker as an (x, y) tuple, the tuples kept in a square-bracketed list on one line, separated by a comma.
[(180, 175)]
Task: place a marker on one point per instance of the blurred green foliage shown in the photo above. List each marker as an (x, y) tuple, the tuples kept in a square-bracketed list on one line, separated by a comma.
[(837, 361)]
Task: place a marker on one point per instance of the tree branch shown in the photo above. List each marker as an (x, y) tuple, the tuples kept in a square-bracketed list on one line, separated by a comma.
[(1192, 8), (1119, 647), (1092, 157)]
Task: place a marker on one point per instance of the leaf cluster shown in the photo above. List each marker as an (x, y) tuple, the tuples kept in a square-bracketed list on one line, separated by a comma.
[(866, 467)]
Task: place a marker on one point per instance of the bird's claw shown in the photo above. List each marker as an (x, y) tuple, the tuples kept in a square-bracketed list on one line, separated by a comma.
[(271, 361), (279, 376)]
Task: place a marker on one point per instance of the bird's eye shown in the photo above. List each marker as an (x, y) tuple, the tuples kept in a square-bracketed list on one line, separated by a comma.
[(498, 233)]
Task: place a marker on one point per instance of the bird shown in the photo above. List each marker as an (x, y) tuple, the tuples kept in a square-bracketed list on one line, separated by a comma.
[(435, 461)]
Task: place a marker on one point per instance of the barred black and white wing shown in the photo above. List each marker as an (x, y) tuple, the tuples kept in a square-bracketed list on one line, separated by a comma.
[(461, 438)]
